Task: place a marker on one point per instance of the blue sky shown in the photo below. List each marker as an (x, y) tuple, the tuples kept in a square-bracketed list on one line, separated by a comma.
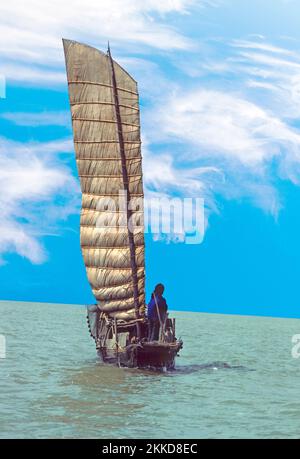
[(219, 83)]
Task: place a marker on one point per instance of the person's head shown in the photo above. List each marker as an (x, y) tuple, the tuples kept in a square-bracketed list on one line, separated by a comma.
[(159, 289)]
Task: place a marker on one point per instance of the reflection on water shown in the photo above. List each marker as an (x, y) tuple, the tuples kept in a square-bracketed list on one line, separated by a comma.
[(53, 385), (188, 369), (107, 396)]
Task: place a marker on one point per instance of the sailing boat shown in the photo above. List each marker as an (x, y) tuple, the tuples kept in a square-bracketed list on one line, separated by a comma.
[(106, 130)]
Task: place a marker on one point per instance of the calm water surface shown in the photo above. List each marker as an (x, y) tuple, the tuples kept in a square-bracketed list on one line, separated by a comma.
[(53, 386)]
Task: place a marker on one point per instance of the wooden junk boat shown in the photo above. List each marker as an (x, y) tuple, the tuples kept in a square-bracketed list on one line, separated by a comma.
[(106, 129)]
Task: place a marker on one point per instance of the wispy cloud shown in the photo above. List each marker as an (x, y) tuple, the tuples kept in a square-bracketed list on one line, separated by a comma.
[(238, 125), (31, 33), (218, 120), (275, 70), (224, 125), (262, 46), (36, 192), (38, 118), (27, 74), (38, 148)]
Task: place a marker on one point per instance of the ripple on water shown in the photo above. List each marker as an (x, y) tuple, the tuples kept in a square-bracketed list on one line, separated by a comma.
[(229, 381)]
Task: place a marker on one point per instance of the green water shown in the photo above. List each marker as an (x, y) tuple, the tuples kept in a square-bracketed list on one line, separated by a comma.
[(52, 385)]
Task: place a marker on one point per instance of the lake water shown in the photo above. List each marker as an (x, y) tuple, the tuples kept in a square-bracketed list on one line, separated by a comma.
[(53, 386)]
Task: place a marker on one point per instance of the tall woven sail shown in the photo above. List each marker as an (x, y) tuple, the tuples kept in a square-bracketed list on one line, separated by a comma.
[(106, 129)]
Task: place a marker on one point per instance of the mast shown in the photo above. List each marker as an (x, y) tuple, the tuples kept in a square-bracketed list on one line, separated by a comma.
[(126, 188)]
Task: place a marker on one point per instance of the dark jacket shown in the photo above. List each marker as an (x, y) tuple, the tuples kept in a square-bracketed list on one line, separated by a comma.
[(162, 307)]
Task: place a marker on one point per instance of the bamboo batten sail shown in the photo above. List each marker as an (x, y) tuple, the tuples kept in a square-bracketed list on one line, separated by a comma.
[(116, 277)]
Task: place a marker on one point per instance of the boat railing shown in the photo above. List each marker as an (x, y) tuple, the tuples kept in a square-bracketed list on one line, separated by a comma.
[(167, 330)]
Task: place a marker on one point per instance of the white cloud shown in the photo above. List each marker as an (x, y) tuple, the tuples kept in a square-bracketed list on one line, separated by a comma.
[(163, 175), (270, 61), (166, 182), (38, 118), (36, 190), (224, 125), (240, 116), (275, 70), (28, 74), (31, 32), (38, 148), (228, 133), (15, 237), (261, 46), (223, 131), (152, 82)]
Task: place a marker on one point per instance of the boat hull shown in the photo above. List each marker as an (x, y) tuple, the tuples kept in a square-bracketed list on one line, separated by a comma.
[(153, 355), (118, 342), (158, 355)]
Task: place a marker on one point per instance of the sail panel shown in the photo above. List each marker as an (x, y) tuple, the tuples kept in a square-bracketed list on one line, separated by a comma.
[(112, 257), (106, 250), (112, 221), (105, 150), (103, 277), (106, 184), (117, 292), (111, 166), (104, 237), (124, 304)]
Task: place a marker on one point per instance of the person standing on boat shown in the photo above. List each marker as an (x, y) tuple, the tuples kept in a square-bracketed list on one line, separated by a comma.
[(157, 310)]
